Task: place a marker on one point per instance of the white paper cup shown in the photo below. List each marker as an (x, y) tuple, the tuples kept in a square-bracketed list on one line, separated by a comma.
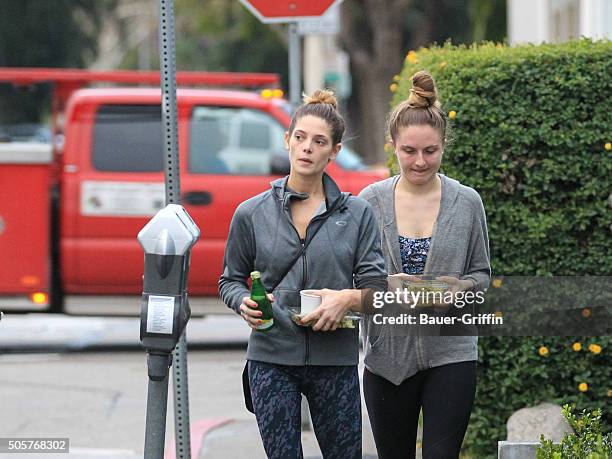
[(308, 301)]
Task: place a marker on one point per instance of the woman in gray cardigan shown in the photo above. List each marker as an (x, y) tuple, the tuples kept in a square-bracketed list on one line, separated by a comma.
[(431, 225)]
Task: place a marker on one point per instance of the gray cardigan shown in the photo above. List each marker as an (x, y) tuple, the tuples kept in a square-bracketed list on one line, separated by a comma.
[(459, 247)]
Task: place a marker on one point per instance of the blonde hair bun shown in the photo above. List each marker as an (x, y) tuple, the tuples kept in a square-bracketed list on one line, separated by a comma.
[(322, 96), (423, 93)]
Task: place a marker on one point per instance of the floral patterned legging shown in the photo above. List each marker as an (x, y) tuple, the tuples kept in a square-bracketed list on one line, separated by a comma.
[(333, 399)]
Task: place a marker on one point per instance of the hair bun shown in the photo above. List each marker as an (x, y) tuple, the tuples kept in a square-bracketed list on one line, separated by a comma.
[(423, 93), (322, 96)]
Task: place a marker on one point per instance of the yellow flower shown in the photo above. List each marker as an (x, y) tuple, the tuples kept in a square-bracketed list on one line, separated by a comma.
[(608, 146), (609, 392), (543, 351), (583, 387), (577, 346), (586, 312), (393, 87), (595, 348), (497, 283), (452, 114), (412, 57), (396, 78), (442, 65)]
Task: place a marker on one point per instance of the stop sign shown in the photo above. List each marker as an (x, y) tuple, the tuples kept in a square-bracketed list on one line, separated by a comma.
[(269, 11)]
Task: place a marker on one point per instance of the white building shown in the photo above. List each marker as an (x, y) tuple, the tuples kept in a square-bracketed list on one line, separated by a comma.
[(555, 21)]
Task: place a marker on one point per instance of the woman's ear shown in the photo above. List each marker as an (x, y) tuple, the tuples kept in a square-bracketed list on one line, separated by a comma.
[(335, 152), (286, 140)]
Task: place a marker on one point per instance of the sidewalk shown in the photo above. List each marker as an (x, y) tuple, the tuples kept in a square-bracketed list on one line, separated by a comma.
[(240, 438)]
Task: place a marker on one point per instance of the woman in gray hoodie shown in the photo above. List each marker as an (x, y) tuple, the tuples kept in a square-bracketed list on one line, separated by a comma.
[(431, 225), (342, 259)]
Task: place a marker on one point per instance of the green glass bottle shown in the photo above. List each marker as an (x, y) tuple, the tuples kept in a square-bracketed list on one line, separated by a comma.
[(258, 294)]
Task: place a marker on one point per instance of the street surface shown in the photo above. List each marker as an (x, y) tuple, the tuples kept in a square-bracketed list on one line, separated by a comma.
[(85, 378)]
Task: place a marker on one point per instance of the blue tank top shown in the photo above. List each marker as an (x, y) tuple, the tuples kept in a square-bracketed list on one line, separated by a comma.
[(413, 251)]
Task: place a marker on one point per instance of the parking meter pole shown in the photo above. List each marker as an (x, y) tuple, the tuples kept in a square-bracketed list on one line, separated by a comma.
[(167, 240), (157, 402), (295, 70)]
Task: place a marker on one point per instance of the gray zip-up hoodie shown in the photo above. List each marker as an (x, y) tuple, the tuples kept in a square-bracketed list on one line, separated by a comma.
[(344, 253), (459, 247)]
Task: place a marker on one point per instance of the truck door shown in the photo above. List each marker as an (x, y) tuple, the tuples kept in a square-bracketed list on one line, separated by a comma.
[(229, 160), (112, 185)]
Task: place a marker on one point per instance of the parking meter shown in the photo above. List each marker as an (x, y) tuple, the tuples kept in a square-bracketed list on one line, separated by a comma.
[(167, 240)]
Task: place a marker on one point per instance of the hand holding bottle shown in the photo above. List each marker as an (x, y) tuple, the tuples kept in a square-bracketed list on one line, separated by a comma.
[(249, 311), (256, 309)]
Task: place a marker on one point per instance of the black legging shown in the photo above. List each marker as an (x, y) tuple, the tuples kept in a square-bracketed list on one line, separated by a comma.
[(446, 394)]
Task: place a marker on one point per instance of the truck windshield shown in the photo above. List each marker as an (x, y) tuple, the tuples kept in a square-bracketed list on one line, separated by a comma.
[(230, 140)]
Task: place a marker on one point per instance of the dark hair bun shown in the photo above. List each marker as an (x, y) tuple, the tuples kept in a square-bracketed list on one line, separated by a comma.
[(322, 96), (423, 93)]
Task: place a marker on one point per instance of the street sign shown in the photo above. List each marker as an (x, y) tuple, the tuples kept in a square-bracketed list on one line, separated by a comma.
[(275, 11), (327, 24)]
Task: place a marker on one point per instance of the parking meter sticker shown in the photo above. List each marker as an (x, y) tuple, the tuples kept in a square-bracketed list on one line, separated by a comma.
[(160, 317), (129, 199)]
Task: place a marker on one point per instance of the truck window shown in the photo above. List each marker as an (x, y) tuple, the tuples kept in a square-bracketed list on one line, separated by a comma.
[(236, 141), (128, 138)]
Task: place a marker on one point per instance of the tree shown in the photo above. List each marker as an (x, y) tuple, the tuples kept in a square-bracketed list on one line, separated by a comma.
[(213, 35), (221, 35), (34, 33), (377, 34), (372, 35)]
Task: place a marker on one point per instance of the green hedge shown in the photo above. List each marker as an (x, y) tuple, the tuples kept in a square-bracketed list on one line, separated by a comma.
[(530, 131)]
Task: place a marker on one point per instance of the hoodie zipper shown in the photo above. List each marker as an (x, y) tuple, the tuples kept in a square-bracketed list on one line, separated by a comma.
[(304, 280), (305, 276), (303, 286)]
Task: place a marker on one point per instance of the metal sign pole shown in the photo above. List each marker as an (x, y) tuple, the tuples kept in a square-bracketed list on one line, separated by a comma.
[(167, 58), (295, 59)]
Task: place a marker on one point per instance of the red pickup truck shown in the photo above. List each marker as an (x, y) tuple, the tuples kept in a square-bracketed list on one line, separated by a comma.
[(68, 222)]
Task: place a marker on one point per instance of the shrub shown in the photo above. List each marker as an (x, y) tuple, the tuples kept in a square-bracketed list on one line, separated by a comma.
[(531, 132), (587, 441)]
